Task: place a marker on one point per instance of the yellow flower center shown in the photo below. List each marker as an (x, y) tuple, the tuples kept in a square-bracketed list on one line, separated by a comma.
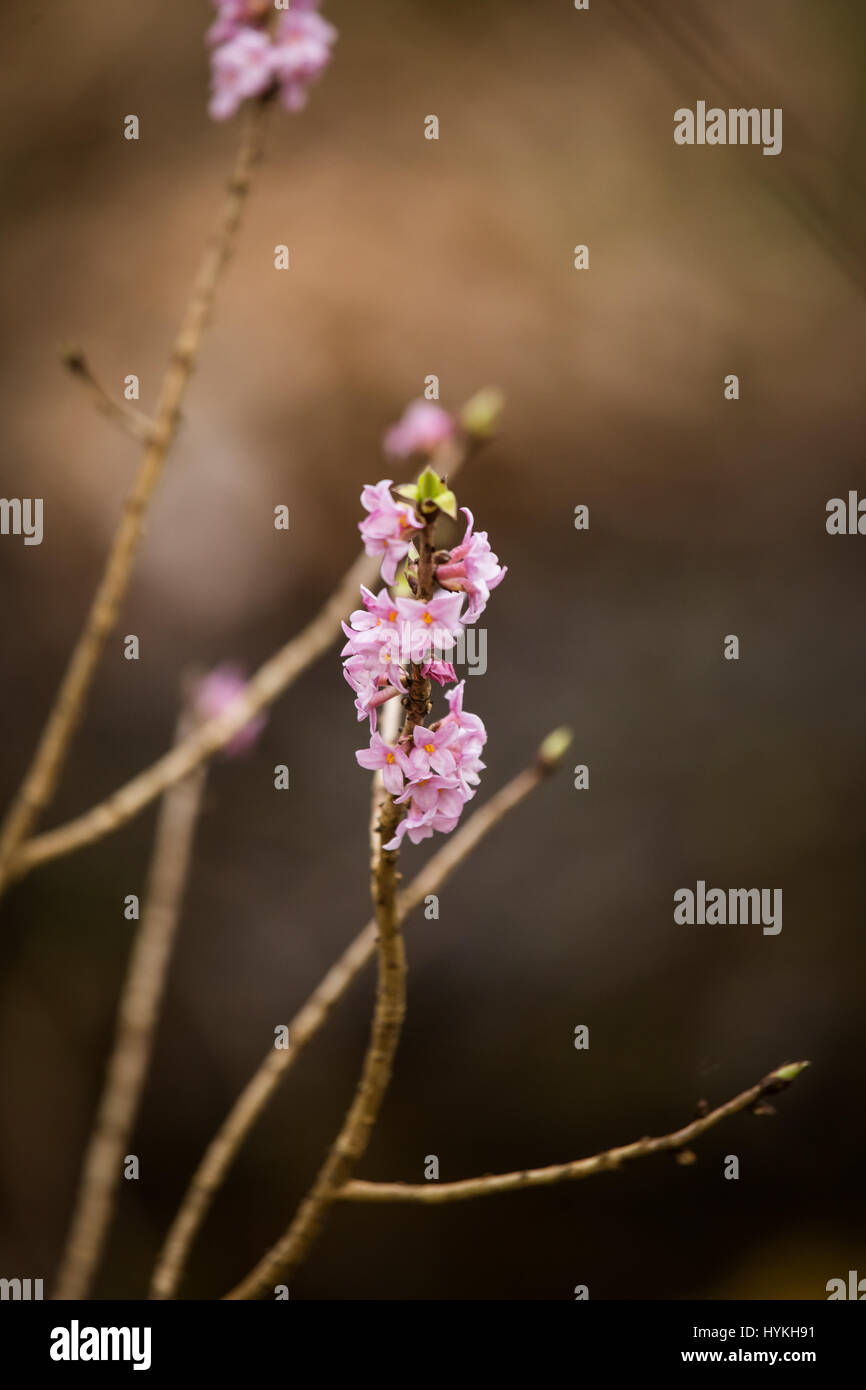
[(427, 618), (429, 748), (390, 758), (392, 616)]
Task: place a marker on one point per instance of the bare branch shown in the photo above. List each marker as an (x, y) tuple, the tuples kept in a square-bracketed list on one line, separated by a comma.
[(224, 1147), (138, 1016), (41, 778), (390, 1008), (612, 1159)]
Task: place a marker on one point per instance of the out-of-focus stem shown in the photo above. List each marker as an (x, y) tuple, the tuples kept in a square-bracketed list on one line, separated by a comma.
[(138, 1017), (41, 779)]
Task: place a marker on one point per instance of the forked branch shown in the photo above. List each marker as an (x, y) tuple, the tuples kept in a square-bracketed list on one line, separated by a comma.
[(227, 1142)]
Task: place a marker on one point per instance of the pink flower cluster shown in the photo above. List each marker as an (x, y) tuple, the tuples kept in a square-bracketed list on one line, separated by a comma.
[(435, 775), (390, 639), (387, 635), (390, 529), (249, 59)]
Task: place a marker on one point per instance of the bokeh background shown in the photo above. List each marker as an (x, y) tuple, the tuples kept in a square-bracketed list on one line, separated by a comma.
[(706, 518)]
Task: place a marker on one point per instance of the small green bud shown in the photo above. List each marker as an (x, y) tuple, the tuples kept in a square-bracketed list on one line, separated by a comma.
[(480, 415), (782, 1077), (554, 749), (430, 493), (789, 1072)]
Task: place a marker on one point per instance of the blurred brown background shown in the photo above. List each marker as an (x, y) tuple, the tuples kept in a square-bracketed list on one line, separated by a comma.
[(707, 518)]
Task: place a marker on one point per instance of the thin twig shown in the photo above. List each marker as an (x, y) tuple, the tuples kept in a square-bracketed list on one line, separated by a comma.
[(354, 1136), (41, 778), (263, 688), (133, 422), (138, 1016), (279, 1262), (226, 1144), (612, 1159)]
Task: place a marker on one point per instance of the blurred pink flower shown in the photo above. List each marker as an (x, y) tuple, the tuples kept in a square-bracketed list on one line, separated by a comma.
[(422, 427), (214, 694), (249, 58), (302, 51), (240, 68), (232, 16)]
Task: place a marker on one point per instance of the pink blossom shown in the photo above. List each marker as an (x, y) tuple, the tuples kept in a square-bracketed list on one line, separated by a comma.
[(434, 773), (431, 753), (379, 647), (416, 825), (434, 626), (375, 677), (233, 15), (249, 58), (381, 755), (389, 528), (423, 426), (215, 693), (434, 804), (438, 797), (372, 663), (471, 738), (440, 671), (302, 51), (470, 723), (472, 568), (379, 609), (469, 765), (240, 68)]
